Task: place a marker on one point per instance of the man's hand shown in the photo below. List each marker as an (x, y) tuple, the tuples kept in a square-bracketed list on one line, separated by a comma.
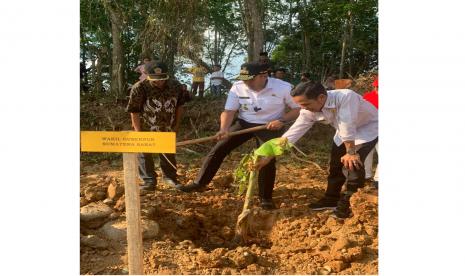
[(274, 125), (222, 134), (351, 161), (262, 162)]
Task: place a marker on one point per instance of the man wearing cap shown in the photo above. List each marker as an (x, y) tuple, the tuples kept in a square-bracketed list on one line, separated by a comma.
[(259, 100), (356, 124), (158, 100)]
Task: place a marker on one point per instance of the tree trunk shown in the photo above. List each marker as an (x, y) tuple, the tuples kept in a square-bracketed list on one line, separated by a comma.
[(351, 35), (307, 60), (345, 35), (118, 82), (343, 51), (253, 16), (97, 77)]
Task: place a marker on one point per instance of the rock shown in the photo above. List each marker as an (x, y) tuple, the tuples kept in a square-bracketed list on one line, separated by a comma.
[(341, 242), (115, 191), (94, 194), (83, 201), (255, 269), (243, 259), (216, 241), (371, 230), (336, 266), (262, 261), (116, 230), (93, 241), (94, 214), (354, 254), (114, 215), (323, 271), (226, 233), (150, 212), (224, 181), (120, 204), (186, 244), (108, 201), (100, 195), (331, 222)]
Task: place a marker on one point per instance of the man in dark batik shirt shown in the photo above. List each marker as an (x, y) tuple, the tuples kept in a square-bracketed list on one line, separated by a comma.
[(158, 100)]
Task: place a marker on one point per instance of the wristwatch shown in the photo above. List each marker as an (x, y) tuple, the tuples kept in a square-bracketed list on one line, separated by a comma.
[(351, 151)]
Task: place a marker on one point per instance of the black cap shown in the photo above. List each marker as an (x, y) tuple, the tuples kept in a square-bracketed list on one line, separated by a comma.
[(251, 69), (156, 71)]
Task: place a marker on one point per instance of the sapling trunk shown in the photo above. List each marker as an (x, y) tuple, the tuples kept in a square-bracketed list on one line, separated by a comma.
[(242, 226), (246, 170)]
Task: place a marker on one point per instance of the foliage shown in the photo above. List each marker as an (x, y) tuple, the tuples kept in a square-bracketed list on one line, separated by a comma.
[(323, 23), (300, 35), (273, 147)]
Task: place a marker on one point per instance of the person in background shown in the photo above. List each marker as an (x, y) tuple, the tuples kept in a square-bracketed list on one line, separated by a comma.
[(372, 97), (356, 124), (198, 79), (304, 77), (329, 83), (264, 59), (156, 104), (280, 73), (141, 68), (216, 80), (258, 100), (187, 95)]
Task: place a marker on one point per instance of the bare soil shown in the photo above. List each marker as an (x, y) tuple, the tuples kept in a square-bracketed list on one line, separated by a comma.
[(196, 230)]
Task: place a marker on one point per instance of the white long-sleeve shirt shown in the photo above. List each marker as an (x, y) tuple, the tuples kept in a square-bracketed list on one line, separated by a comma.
[(354, 118)]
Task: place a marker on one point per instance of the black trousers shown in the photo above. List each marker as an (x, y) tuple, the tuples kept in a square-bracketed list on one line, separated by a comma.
[(147, 167), (355, 179), (215, 157)]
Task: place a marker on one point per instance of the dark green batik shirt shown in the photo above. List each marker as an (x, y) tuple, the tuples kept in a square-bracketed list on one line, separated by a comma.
[(156, 106)]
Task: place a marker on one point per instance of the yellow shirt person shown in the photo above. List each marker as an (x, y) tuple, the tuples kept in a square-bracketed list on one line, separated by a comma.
[(198, 79), (199, 73)]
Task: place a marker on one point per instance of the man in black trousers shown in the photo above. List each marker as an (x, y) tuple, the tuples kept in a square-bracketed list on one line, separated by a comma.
[(259, 100), (356, 124)]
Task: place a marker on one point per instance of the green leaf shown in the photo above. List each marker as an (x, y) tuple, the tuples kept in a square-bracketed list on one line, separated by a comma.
[(273, 147)]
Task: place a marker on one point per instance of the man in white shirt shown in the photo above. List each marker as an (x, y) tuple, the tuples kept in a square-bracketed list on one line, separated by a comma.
[(216, 80), (259, 100), (356, 124)]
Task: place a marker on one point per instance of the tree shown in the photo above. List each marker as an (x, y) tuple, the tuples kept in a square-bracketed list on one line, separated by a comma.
[(330, 37), (252, 16), (118, 80), (223, 39)]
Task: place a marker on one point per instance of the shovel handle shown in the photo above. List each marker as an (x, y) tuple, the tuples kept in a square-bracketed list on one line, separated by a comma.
[(210, 138)]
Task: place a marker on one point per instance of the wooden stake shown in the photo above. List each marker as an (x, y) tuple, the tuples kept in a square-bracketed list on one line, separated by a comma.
[(133, 220)]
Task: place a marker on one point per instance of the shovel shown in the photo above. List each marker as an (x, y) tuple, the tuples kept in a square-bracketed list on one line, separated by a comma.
[(211, 138)]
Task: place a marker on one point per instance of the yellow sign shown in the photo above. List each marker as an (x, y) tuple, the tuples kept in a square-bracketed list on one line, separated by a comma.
[(128, 141)]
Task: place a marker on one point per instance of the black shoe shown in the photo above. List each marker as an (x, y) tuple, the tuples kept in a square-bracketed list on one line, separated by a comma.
[(342, 213), (343, 206), (191, 187), (147, 187), (170, 182), (323, 204), (267, 204), (375, 184)]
